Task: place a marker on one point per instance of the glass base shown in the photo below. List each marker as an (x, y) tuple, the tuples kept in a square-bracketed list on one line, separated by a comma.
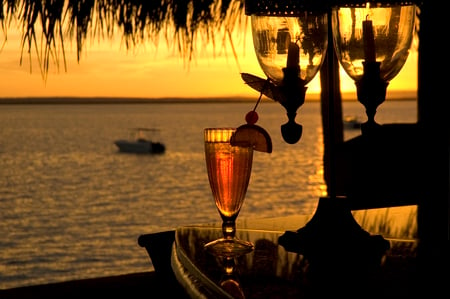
[(229, 247)]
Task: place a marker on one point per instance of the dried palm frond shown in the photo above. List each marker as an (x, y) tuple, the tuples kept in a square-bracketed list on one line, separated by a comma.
[(46, 25)]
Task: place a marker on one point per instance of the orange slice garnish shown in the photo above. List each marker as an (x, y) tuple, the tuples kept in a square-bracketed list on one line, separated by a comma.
[(252, 136)]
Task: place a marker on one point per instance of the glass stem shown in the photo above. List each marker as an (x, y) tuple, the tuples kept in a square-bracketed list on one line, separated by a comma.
[(229, 229)]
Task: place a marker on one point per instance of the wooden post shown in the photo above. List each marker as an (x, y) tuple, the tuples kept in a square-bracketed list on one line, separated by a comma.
[(331, 109)]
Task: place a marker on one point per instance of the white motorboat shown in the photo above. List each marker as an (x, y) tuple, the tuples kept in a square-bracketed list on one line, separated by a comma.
[(140, 141)]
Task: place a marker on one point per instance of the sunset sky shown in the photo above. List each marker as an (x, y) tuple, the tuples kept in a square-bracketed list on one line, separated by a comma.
[(108, 69)]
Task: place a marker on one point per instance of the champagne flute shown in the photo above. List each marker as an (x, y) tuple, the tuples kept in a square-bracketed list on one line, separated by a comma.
[(229, 168)]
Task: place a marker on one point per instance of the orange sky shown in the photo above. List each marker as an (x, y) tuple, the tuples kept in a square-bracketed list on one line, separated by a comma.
[(107, 69)]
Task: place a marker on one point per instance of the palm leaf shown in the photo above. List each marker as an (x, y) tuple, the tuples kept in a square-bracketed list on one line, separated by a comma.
[(47, 25)]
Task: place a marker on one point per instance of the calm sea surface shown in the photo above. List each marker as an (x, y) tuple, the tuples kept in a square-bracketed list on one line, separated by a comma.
[(73, 207)]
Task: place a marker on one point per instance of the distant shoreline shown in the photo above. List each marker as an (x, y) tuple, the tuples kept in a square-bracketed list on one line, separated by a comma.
[(123, 100), (111, 100)]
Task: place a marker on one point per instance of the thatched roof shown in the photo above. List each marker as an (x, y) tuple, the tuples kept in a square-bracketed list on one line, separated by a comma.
[(47, 25)]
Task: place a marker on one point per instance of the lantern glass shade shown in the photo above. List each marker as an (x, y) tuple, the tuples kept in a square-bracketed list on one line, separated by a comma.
[(392, 29), (273, 37)]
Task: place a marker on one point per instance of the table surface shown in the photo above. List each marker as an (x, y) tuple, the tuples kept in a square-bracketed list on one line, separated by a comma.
[(272, 271)]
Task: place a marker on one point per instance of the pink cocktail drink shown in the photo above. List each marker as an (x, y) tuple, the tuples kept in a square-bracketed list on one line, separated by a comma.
[(229, 168)]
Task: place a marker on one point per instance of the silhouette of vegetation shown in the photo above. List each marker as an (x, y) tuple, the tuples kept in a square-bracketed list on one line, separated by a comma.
[(47, 25)]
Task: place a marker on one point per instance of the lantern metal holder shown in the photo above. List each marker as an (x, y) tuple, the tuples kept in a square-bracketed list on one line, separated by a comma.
[(371, 92), (293, 90), (332, 240), (290, 94)]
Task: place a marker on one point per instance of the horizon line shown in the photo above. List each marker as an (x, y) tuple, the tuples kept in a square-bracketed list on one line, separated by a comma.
[(345, 96)]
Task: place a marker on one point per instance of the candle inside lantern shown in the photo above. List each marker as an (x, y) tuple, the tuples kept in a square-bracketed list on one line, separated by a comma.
[(293, 56), (368, 41)]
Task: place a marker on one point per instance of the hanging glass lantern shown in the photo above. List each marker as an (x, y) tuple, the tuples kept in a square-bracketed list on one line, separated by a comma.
[(290, 43), (372, 42), (290, 40)]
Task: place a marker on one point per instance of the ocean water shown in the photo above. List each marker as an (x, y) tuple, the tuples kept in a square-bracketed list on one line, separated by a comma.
[(73, 207)]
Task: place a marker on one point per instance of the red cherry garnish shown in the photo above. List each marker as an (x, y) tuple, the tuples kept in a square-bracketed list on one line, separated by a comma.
[(251, 117)]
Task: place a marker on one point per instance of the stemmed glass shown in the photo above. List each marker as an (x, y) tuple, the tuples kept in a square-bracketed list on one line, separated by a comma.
[(229, 168)]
